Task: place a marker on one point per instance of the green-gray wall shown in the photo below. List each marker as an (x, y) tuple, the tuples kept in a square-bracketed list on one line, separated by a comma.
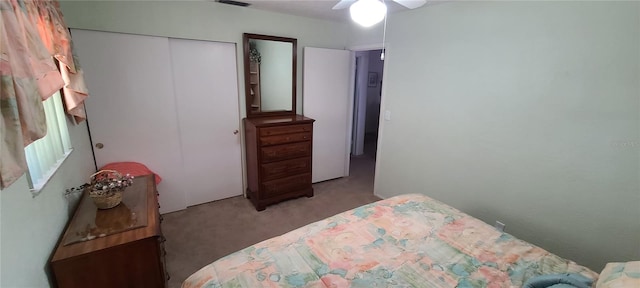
[(30, 227), (523, 112)]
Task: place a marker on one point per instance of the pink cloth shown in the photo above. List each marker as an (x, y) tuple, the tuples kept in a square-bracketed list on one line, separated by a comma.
[(56, 37), (32, 32), (28, 76), (75, 92), (133, 168)]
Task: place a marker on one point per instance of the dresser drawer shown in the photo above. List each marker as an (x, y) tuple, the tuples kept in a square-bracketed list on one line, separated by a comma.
[(285, 185), (285, 138), (286, 168), (289, 129), (287, 151)]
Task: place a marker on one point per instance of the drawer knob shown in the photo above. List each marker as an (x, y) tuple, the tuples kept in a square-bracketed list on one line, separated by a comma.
[(235, 132)]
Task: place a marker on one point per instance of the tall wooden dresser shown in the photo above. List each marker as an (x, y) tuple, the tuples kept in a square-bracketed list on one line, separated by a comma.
[(278, 156), (118, 247)]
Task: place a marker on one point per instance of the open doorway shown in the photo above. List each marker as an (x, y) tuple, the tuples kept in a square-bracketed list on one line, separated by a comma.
[(366, 113), (367, 95)]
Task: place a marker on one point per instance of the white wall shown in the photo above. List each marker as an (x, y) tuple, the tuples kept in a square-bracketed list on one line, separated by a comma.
[(205, 20), (30, 227), (524, 112)]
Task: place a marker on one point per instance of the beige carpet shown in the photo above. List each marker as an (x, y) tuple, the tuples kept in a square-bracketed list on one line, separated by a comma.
[(202, 234)]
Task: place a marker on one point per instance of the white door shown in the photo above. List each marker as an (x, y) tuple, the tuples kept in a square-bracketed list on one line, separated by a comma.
[(131, 109), (327, 99), (206, 91)]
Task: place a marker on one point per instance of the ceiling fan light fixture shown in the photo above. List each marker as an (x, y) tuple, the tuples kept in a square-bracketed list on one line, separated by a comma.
[(368, 12)]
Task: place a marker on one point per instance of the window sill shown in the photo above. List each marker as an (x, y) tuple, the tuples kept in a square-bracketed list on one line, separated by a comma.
[(37, 187)]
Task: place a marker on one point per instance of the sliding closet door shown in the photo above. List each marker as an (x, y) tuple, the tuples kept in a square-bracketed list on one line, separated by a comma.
[(168, 103), (206, 90), (327, 99), (131, 108)]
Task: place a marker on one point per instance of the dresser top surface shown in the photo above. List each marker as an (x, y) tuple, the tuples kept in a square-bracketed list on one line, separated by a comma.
[(142, 199), (279, 120), (90, 222)]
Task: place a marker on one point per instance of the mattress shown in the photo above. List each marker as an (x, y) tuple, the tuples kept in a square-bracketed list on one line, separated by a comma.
[(404, 241)]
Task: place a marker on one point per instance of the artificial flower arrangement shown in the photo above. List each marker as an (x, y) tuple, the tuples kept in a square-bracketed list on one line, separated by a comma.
[(254, 54), (106, 188)]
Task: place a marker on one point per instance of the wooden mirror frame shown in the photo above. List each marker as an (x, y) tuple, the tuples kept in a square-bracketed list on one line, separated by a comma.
[(247, 85)]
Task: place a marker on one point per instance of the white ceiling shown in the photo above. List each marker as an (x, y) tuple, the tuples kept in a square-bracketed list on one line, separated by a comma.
[(320, 9)]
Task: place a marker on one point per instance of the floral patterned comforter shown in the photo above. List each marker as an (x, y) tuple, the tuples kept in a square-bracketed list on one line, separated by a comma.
[(404, 241)]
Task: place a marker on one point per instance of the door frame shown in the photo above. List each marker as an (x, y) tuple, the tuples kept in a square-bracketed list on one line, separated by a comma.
[(358, 48), (359, 103)]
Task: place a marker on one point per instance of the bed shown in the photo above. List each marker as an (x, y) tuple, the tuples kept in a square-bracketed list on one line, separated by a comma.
[(404, 241)]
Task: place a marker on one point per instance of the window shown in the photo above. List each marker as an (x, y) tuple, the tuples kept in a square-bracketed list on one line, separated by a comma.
[(46, 154)]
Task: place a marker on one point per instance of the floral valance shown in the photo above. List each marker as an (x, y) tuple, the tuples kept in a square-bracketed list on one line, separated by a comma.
[(32, 34)]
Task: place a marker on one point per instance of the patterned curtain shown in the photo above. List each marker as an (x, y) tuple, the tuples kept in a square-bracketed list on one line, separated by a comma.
[(32, 33), (55, 36)]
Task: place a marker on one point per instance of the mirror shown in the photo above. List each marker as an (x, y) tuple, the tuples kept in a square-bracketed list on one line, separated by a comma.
[(269, 75)]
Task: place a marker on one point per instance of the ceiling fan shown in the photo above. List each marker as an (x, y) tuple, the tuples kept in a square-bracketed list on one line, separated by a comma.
[(369, 12), (410, 4)]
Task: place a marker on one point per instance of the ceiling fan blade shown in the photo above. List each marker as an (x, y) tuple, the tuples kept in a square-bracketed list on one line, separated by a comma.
[(343, 4), (411, 4)]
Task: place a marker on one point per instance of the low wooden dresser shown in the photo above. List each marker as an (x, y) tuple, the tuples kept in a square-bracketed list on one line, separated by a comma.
[(118, 247), (278, 156)]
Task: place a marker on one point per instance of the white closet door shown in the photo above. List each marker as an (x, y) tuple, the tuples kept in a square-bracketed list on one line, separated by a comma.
[(131, 108), (326, 98), (206, 90)]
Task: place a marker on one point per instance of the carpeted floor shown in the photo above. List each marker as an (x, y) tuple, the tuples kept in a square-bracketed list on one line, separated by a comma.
[(201, 234)]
